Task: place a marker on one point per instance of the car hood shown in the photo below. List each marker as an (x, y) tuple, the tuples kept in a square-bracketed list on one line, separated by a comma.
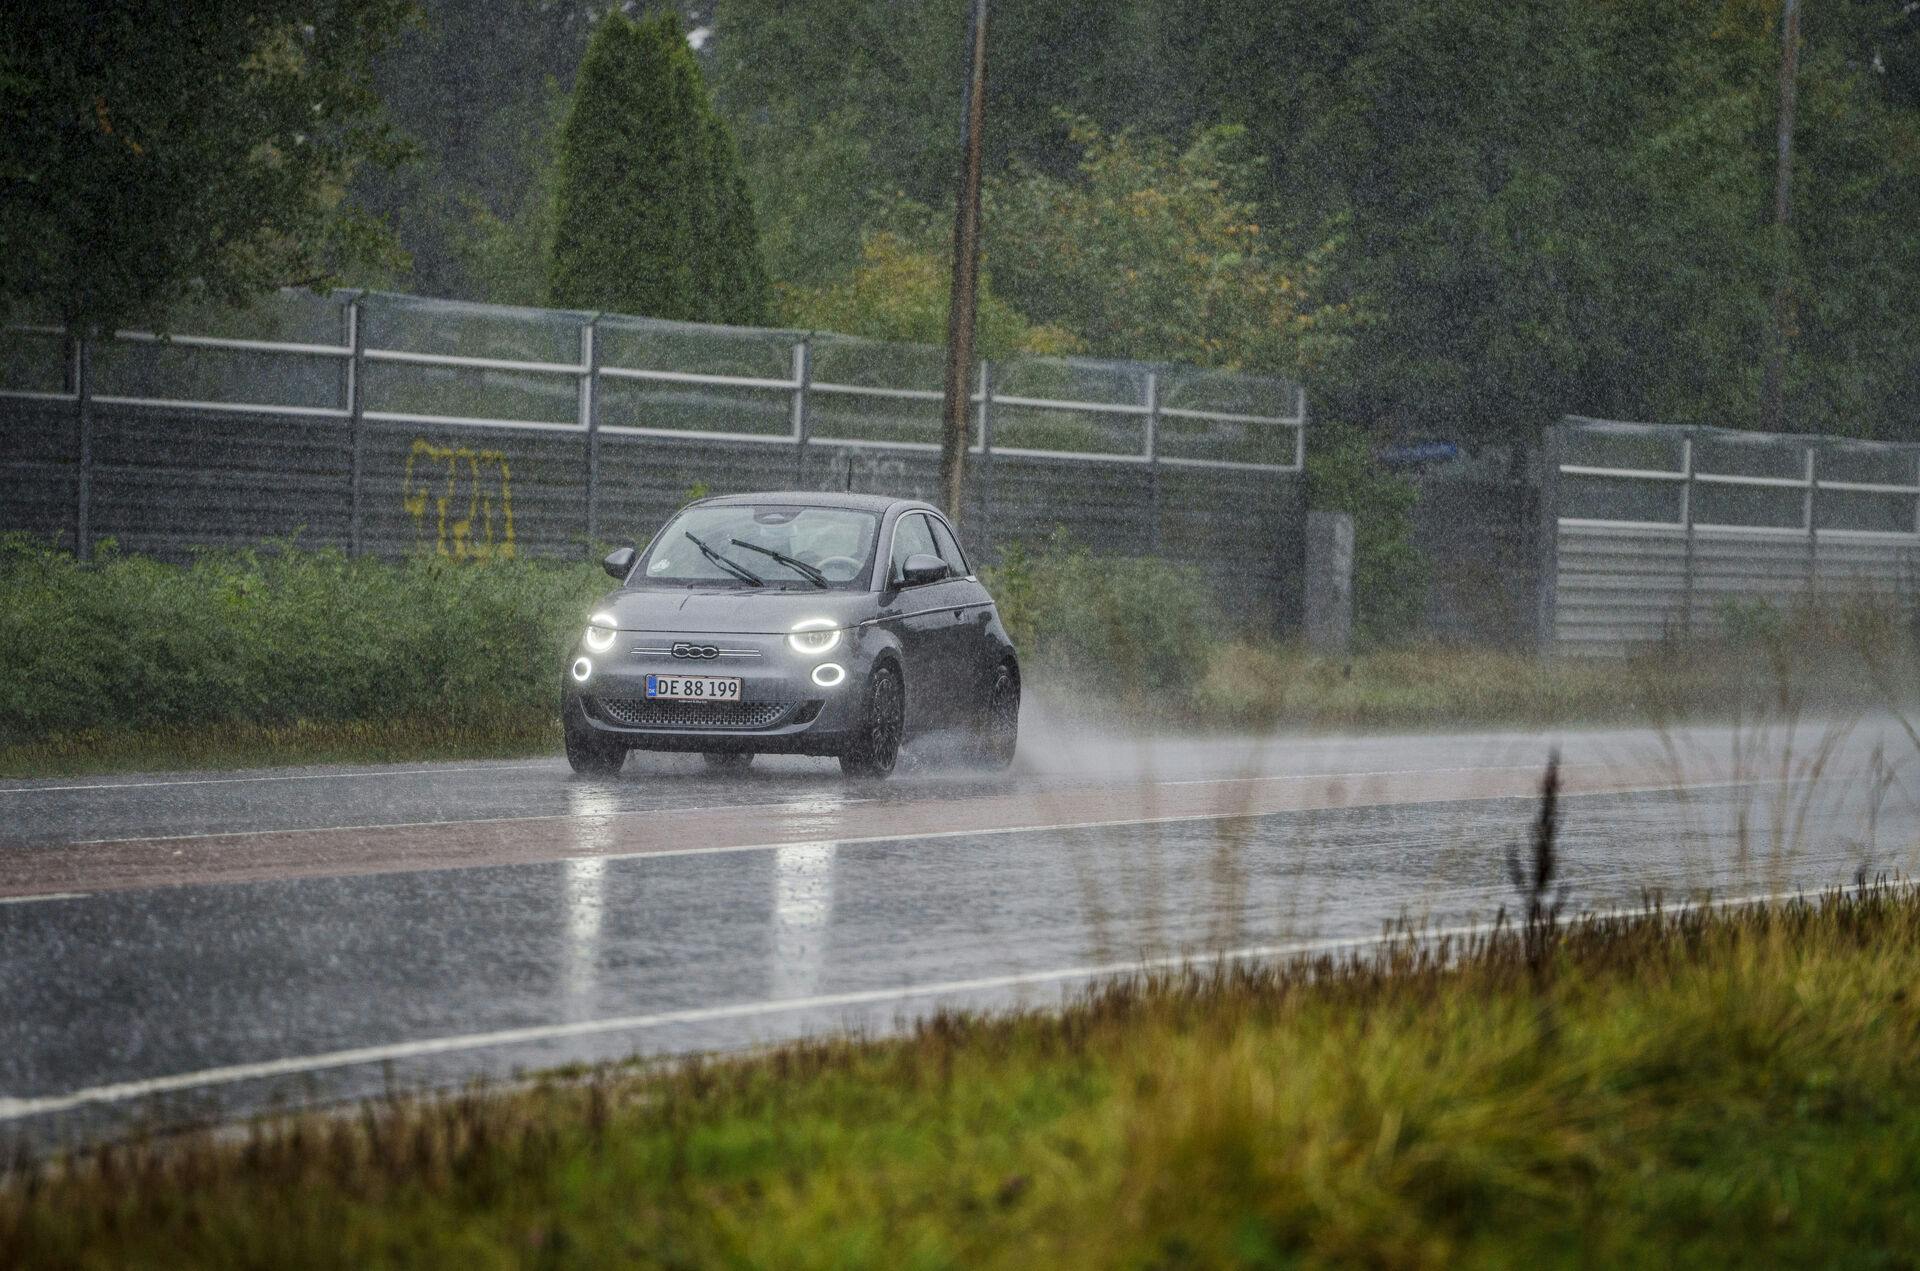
[(741, 612)]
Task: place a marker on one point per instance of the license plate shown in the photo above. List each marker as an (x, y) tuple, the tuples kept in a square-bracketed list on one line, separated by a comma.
[(693, 688)]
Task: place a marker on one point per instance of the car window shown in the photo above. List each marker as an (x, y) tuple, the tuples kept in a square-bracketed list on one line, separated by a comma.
[(949, 547), (910, 538), (837, 542)]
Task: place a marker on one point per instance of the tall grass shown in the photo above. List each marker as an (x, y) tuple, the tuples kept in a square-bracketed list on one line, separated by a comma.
[(1732, 1087)]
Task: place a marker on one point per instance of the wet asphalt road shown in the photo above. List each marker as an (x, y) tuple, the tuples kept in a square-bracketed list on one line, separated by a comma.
[(212, 944)]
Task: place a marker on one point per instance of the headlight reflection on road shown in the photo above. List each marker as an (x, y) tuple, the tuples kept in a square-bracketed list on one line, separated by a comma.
[(802, 912), (583, 892)]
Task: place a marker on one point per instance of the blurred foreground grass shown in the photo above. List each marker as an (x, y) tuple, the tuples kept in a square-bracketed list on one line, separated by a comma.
[(284, 656), (1713, 1088)]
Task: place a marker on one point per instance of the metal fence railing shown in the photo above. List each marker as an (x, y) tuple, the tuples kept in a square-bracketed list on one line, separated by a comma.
[(1651, 526), (367, 361), (391, 424)]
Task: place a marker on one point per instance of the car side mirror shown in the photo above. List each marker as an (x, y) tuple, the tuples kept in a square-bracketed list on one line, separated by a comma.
[(619, 563), (924, 567)]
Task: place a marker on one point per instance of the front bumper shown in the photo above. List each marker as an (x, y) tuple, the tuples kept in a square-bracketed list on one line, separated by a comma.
[(781, 709)]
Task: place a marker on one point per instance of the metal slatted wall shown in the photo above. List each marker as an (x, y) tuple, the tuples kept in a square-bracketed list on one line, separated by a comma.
[(1653, 531), (391, 424)]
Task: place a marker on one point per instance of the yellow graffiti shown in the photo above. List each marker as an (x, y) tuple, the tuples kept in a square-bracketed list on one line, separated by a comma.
[(470, 487)]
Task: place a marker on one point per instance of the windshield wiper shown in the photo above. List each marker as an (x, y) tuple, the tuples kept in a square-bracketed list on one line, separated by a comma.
[(738, 571), (798, 566)]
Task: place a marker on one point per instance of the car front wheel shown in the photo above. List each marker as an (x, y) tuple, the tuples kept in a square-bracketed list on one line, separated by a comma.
[(593, 756), (877, 744)]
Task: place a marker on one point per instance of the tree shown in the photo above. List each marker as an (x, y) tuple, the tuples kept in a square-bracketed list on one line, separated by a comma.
[(1545, 208), (1151, 252), (735, 282), (504, 254), (651, 216), (1853, 248), (898, 292), (472, 84), (843, 105), (155, 151), (1561, 207)]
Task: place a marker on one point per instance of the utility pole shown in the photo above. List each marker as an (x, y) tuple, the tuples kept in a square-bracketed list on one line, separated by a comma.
[(966, 267), (1773, 386)]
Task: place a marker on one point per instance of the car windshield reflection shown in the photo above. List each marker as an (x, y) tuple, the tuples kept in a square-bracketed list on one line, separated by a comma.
[(782, 545)]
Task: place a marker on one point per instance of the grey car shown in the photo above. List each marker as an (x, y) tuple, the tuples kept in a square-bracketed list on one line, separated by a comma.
[(797, 623)]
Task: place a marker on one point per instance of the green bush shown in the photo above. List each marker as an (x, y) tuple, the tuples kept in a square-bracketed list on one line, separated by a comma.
[(1749, 623), (275, 636), (280, 636), (1104, 622), (1389, 573)]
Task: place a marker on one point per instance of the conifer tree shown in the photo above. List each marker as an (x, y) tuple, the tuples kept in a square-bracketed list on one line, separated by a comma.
[(736, 276), (652, 216)]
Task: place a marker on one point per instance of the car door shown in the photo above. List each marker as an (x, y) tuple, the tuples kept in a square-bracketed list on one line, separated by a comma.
[(973, 649), (923, 616)]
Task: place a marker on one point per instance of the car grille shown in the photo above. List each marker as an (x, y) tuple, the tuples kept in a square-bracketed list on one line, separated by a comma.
[(639, 713)]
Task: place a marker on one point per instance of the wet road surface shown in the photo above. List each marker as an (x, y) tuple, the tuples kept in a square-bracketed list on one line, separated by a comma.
[(211, 944)]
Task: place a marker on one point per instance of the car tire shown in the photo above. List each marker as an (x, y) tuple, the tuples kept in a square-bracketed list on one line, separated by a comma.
[(592, 756), (727, 760), (997, 735), (882, 721)]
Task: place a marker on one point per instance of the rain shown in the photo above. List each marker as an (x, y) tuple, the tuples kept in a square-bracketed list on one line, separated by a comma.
[(850, 596)]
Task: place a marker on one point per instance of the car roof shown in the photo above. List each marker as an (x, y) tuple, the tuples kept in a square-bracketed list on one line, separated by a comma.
[(821, 499)]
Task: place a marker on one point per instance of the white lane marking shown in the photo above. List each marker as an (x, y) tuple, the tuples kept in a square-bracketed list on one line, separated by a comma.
[(1037, 828), (807, 805), (12, 1109), (289, 776), (1043, 827), (801, 806), (1338, 776), (52, 895)]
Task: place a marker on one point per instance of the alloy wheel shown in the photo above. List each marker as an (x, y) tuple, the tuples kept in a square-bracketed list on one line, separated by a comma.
[(878, 745)]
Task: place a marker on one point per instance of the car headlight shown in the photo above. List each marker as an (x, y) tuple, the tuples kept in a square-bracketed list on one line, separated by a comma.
[(601, 632), (814, 636)]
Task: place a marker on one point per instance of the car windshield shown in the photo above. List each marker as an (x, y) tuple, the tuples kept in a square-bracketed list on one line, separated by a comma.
[(773, 545)]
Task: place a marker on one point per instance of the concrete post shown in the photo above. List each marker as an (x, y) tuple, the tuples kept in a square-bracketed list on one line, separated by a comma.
[(1329, 589)]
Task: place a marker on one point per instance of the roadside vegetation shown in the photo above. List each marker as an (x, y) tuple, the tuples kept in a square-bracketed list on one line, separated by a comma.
[(1136, 632), (277, 655), (285, 656), (1709, 1087)]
